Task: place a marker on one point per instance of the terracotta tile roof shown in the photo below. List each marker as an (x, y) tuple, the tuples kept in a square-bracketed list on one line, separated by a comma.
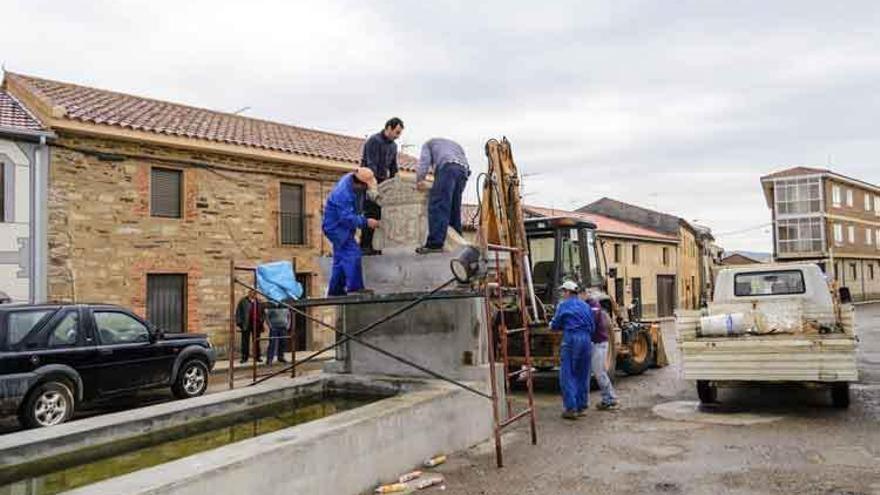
[(14, 116), (102, 107), (605, 225), (795, 171)]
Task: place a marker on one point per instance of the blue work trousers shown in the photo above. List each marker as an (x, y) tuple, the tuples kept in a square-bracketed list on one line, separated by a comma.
[(276, 344), (444, 204), (346, 275), (574, 370)]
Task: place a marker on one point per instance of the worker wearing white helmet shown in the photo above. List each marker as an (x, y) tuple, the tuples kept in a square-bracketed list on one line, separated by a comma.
[(575, 319)]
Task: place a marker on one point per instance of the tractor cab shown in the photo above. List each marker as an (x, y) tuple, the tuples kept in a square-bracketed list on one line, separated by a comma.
[(563, 248)]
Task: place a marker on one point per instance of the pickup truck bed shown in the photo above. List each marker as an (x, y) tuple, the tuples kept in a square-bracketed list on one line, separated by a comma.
[(767, 358)]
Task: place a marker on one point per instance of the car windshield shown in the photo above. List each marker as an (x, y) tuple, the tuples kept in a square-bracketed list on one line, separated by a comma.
[(774, 283), (20, 324)]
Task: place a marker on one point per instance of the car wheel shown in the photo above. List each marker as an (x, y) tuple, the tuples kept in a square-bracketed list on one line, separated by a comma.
[(840, 395), (707, 392), (192, 380), (48, 404)]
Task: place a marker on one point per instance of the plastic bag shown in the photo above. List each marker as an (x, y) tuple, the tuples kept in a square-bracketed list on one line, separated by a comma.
[(277, 281)]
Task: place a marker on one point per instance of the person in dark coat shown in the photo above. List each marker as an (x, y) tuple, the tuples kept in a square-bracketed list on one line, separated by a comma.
[(380, 156), (248, 318)]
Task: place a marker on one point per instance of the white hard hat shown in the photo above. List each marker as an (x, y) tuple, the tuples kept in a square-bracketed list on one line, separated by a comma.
[(569, 285)]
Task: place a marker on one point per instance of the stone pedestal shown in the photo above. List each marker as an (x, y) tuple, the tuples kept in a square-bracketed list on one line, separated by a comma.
[(405, 218)]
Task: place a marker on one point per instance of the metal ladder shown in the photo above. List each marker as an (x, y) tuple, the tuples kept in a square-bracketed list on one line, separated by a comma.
[(496, 293)]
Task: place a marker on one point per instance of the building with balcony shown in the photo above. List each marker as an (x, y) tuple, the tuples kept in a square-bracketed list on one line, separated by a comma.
[(828, 218)]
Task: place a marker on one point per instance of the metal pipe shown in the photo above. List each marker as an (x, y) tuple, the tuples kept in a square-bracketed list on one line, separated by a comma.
[(531, 285)]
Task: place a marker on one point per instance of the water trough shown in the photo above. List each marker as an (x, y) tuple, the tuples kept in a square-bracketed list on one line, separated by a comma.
[(323, 433)]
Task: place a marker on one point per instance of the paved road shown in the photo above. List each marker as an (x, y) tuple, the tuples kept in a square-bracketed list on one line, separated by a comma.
[(218, 383), (810, 448)]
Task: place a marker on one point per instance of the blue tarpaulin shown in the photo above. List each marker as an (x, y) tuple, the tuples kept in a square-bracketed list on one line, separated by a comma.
[(278, 281)]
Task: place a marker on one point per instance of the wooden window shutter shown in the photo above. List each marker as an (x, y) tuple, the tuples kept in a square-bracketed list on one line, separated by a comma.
[(292, 217), (165, 192)]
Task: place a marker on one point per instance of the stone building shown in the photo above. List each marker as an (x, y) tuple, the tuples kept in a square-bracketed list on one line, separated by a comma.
[(150, 201), (828, 218), (694, 250), (23, 159)]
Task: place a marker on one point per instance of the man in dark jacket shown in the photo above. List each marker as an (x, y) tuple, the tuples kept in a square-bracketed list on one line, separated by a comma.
[(380, 156), (248, 318)]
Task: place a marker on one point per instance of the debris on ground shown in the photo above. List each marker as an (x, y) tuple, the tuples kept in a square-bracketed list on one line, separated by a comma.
[(435, 461)]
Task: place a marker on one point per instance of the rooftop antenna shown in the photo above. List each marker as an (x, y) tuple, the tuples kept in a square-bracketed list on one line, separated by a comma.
[(829, 159), (240, 110)]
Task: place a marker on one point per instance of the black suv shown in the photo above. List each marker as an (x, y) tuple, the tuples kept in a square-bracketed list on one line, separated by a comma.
[(53, 357)]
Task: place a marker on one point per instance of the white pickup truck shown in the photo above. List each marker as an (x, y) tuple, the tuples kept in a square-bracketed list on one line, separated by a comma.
[(773, 323)]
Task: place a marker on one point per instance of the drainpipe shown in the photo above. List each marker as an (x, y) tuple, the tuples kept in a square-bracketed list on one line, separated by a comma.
[(38, 223)]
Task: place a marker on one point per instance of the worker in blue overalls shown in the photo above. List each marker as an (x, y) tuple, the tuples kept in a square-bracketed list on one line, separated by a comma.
[(342, 217), (575, 319)]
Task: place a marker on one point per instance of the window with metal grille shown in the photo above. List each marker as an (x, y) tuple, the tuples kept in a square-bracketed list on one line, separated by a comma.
[(291, 218), (166, 301), (165, 192)]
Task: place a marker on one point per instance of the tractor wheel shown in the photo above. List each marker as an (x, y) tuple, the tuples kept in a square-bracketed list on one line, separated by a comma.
[(707, 392), (641, 354)]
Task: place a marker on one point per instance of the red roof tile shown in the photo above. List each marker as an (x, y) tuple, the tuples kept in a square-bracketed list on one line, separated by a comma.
[(14, 116), (98, 106), (605, 225)]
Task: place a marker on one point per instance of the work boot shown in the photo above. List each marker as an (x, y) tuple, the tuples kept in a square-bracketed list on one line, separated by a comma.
[(581, 412), (608, 406), (428, 250), (569, 415), (371, 252)]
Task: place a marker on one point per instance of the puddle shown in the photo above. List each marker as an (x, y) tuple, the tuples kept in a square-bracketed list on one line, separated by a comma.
[(164, 446), (692, 411)]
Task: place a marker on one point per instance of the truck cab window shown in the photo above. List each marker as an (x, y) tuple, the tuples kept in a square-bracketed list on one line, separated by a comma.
[(542, 253), (571, 257)]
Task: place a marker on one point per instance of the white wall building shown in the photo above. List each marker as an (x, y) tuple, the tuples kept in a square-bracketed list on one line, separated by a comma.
[(23, 185)]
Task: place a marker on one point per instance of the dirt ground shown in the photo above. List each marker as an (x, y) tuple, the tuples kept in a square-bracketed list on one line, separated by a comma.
[(805, 446)]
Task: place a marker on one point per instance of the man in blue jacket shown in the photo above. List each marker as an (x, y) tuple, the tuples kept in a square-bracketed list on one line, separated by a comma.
[(575, 319), (342, 217)]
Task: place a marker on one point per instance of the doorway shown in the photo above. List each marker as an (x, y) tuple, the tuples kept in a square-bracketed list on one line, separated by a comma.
[(665, 295), (637, 298)]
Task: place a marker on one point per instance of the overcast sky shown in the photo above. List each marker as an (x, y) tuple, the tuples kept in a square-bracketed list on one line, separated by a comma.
[(675, 105)]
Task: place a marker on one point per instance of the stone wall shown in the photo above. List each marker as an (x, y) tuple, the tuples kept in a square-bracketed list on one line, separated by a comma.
[(103, 242)]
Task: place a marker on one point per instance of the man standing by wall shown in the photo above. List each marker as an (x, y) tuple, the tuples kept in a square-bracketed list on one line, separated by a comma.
[(248, 318), (451, 171), (380, 156), (342, 217)]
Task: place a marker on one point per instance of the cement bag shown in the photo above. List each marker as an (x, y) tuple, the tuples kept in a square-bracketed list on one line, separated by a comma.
[(724, 325), (277, 281)]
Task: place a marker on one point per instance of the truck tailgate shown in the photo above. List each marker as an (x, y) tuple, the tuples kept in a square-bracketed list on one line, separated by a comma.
[(821, 358)]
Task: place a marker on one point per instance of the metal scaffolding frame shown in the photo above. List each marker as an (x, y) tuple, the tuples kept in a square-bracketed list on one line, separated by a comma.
[(255, 339)]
